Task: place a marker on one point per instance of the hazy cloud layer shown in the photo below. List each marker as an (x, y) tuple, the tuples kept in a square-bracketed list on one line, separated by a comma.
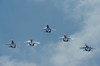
[(6, 61), (71, 55)]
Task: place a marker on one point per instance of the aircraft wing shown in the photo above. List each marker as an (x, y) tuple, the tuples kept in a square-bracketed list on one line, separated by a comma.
[(92, 48), (62, 37), (36, 42), (82, 47), (53, 29), (71, 38), (44, 28), (7, 44)]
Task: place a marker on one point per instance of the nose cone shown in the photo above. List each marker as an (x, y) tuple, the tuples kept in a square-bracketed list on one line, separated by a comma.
[(12, 42), (86, 45), (47, 26), (31, 40), (65, 36)]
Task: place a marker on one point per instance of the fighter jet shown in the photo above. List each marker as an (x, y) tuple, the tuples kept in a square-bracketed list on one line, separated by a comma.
[(48, 29), (12, 44), (87, 48), (65, 38), (32, 42)]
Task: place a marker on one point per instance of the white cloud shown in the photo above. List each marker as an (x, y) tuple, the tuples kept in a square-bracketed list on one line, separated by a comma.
[(72, 55), (6, 61)]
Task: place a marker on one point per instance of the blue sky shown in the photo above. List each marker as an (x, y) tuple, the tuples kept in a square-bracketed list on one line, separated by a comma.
[(21, 20)]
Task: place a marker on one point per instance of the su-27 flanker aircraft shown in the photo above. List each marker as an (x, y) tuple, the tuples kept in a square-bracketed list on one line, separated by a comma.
[(87, 48), (65, 38), (12, 44), (48, 29), (32, 42)]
